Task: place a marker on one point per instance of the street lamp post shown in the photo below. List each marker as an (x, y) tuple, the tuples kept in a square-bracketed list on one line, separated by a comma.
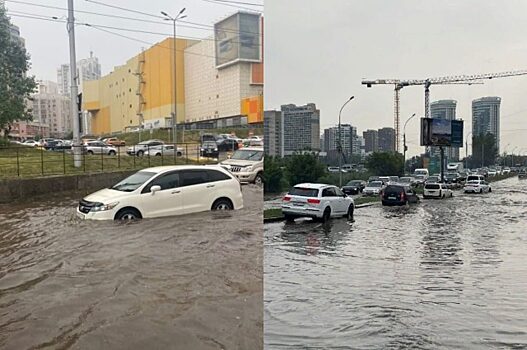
[(339, 146), (174, 113), (466, 149), (512, 156), (404, 142)]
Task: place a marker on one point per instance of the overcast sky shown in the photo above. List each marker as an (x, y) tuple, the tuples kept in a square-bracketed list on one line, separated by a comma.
[(47, 42), (319, 51)]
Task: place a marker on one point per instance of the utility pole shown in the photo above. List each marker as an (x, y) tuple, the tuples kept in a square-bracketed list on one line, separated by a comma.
[(339, 146), (174, 64), (77, 159)]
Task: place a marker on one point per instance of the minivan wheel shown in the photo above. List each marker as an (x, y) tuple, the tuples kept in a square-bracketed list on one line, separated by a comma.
[(140, 153), (128, 214), (112, 153), (222, 204), (90, 152), (327, 215), (351, 209)]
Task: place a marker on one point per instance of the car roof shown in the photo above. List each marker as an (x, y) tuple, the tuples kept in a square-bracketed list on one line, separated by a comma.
[(313, 186), (251, 149), (165, 168)]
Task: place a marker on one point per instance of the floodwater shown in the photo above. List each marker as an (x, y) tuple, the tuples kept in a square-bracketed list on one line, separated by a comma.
[(187, 282), (444, 274)]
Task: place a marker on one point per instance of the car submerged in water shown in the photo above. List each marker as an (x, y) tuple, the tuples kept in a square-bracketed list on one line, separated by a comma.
[(164, 191)]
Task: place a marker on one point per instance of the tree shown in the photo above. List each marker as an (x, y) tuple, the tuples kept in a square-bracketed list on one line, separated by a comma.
[(15, 86), (273, 178), (304, 167), (385, 163), (484, 149)]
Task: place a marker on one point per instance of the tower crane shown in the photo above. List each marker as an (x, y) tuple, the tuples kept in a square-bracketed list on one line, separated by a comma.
[(456, 79)]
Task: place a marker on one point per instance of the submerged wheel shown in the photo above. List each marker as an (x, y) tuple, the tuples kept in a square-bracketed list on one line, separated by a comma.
[(222, 204), (327, 215), (128, 214), (490, 189), (289, 218), (351, 210)]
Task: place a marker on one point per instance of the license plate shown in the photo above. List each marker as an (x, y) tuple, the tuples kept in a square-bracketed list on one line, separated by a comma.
[(391, 197), (80, 215), (298, 204)]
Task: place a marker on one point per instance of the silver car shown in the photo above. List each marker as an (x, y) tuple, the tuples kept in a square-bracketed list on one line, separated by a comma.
[(99, 147), (163, 150)]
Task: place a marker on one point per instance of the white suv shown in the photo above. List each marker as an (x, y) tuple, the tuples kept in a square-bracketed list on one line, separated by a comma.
[(318, 201), (164, 191), (247, 164), (436, 190)]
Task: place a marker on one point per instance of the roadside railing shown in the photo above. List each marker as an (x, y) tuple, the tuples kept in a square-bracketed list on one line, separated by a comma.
[(24, 161)]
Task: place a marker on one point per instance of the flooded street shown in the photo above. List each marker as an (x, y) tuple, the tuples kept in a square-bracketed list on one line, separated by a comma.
[(438, 275), (188, 282)]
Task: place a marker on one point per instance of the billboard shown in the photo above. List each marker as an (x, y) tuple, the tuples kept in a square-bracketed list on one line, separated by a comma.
[(238, 38), (441, 132)]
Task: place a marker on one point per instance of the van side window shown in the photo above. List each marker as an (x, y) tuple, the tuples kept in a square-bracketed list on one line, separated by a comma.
[(193, 177), (166, 181), (215, 175)]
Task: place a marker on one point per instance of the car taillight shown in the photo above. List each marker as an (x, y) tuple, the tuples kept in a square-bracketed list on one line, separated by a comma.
[(402, 196), (313, 201), (286, 199)]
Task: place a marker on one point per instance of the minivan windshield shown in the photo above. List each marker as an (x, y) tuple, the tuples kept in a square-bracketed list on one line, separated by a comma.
[(133, 182), (245, 154)]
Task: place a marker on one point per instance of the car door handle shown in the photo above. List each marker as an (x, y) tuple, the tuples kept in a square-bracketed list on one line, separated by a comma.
[(210, 186), (176, 191)]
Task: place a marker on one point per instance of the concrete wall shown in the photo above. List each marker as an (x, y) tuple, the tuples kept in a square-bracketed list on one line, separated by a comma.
[(12, 190)]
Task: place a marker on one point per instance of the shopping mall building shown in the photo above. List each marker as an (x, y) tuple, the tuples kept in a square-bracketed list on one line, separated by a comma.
[(219, 83)]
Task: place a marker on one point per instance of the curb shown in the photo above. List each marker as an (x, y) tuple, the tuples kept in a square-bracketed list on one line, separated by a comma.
[(278, 219)]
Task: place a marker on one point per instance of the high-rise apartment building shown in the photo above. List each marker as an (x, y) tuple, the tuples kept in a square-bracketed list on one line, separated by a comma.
[(352, 144), (87, 69), (371, 141), (386, 139), (301, 128), (444, 109), (52, 109), (273, 132), (486, 117)]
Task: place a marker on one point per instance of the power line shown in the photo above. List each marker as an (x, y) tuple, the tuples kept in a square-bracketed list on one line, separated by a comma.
[(134, 30), (192, 25), (125, 9), (230, 5), (240, 2)]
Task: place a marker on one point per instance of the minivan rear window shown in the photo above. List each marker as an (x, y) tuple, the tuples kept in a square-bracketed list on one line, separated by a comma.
[(432, 186), (304, 192)]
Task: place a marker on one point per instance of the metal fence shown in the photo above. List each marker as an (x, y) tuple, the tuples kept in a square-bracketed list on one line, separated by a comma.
[(24, 161)]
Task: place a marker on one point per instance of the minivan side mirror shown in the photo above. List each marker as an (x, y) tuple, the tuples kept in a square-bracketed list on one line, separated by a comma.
[(154, 189)]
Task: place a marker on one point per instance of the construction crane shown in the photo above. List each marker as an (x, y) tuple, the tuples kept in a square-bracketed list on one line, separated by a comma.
[(457, 79)]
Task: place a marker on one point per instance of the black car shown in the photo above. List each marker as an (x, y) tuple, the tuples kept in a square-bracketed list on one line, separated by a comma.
[(354, 187), (227, 145), (398, 195), (209, 149)]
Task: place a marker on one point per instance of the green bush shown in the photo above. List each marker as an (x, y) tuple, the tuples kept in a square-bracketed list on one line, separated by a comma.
[(274, 180), (304, 167)]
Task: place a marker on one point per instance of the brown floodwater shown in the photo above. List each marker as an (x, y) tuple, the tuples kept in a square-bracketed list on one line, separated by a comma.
[(187, 282)]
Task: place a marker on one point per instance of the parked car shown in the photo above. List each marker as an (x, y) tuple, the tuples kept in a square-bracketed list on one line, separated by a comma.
[(99, 147), (436, 190), (209, 149), (163, 150), (398, 194), (114, 141), (354, 187), (407, 180), (143, 146), (247, 164), (44, 142), (477, 186), (333, 169), (164, 191), (522, 174), (228, 145), (30, 143), (373, 188), (317, 201)]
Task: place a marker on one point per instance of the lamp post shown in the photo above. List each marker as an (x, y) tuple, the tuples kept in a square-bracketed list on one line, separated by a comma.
[(466, 149), (512, 156), (404, 141), (174, 113), (339, 146)]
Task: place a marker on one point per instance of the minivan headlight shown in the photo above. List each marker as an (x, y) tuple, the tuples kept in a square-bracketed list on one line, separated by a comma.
[(104, 207)]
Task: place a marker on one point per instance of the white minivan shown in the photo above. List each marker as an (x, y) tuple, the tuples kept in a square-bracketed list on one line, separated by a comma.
[(165, 191)]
